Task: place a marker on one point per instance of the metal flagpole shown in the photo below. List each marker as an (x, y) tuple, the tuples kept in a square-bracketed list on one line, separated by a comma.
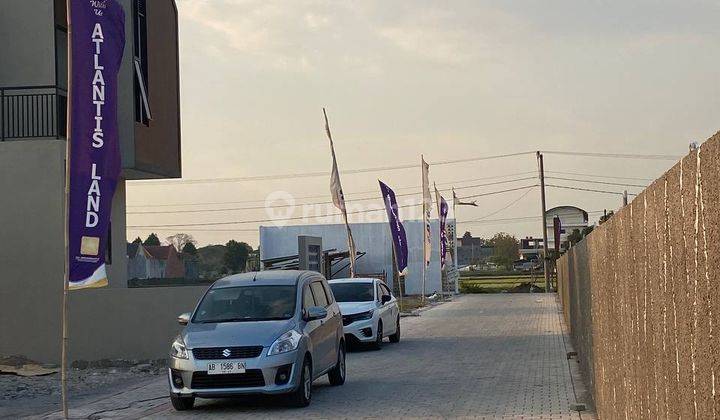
[(425, 222), (339, 198), (455, 246), (442, 270), (66, 274)]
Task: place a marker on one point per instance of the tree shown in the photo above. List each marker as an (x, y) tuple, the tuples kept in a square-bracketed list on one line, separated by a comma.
[(189, 249), (575, 236), (236, 254), (152, 240), (587, 231), (179, 240), (506, 249), (137, 240)]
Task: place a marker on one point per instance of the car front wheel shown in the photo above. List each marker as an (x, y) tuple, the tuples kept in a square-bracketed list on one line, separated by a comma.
[(337, 374), (303, 394), (182, 403), (377, 344), (395, 338)]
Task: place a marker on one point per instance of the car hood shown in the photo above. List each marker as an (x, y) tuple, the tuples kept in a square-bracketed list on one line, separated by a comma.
[(226, 334), (350, 308)]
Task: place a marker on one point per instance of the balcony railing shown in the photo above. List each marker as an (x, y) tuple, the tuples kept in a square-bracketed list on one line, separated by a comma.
[(32, 112)]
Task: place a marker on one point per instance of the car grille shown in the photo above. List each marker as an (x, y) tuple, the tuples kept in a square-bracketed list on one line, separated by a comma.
[(349, 319), (209, 353), (250, 379)]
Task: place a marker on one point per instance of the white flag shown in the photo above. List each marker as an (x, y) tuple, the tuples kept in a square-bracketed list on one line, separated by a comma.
[(338, 198), (427, 206)]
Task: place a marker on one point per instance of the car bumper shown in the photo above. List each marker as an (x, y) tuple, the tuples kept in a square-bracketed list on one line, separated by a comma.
[(188, 377), (361, 331)]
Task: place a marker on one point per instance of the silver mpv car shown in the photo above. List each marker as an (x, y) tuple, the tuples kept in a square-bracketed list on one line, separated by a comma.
[(270, 332)]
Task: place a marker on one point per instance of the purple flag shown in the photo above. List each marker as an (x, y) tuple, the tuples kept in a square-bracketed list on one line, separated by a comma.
[(396, 227), (443, 212), (557, 231), (97, 42)]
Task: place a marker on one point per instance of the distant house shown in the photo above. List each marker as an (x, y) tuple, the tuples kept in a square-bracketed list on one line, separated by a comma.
[(472, 250), (571, 218), (531, 248), (154, 262)]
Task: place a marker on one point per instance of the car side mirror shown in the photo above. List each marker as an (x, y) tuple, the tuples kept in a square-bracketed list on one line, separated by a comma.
[(183, 319), (385, 299), (315, 312)]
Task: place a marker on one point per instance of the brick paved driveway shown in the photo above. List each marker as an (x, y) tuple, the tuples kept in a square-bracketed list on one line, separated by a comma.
[(494, 356)]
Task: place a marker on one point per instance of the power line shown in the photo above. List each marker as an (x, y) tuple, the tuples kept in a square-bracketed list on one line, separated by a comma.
[(599, 175), (325, 195), (316, 203), (321, 173), (586, 189), (512, 189), (614, 155), (515, 219), (510, 204), (520, 219), (596, 182), (398, 167), (301, 217)]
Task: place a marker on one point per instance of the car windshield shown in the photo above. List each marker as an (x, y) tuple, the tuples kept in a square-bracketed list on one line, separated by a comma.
[(353, 292), (246, 303)]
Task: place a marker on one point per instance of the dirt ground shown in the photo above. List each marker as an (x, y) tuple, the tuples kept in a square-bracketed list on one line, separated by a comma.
[(26, 396)]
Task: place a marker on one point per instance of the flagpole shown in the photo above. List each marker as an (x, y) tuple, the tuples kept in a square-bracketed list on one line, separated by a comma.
[(341, 199), (66, 271), (455, 247), (437, 200), (425, 222)]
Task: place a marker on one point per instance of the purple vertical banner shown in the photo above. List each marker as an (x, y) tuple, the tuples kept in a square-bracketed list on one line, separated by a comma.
[(97, 41), (557, 231), (396, 227), (443, 231)]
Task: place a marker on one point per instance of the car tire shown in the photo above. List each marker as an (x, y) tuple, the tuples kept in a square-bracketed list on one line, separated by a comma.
[(182, 403), (377, 344), (336, 376), (302, 396), (395, 338)]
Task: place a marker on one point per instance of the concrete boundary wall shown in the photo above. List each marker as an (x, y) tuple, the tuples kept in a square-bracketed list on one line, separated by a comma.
[(640, 295)]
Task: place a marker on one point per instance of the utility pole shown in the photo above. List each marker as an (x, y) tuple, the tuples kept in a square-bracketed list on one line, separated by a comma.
[(546, 266), (625, 198)]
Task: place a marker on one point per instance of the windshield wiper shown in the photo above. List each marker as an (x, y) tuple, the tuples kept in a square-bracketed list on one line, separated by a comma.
[(213, 321)]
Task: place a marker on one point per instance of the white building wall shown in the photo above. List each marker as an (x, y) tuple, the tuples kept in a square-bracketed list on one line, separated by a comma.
[(570, 218), (373, 238)]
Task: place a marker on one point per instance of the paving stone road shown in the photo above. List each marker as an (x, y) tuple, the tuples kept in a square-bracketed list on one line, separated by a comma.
[(479, 356)]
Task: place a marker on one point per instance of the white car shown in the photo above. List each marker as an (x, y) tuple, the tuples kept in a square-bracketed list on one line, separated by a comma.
[(369, 310)]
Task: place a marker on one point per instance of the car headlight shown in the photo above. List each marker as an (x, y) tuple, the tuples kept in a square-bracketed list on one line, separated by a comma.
[(178, 349), (285, 343), (364, 315)]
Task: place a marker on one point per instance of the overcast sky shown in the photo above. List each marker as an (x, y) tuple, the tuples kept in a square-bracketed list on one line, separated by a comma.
[(449, 80)]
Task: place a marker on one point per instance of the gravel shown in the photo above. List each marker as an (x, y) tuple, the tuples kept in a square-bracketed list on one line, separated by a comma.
[(23, 396)]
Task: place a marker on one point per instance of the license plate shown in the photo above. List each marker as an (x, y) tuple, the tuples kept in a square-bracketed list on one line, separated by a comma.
[(222, 368)]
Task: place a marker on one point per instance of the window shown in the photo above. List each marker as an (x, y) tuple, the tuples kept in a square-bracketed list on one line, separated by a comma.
[(308, 300), (353, 292), (319, 293), (140, 63), (246, 303), (328, 293), (385, 290)]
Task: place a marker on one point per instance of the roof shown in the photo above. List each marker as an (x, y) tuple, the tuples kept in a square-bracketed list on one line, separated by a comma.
[(132, 248), (554, 209), (353, 280), (159, 252), (269, 277)]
